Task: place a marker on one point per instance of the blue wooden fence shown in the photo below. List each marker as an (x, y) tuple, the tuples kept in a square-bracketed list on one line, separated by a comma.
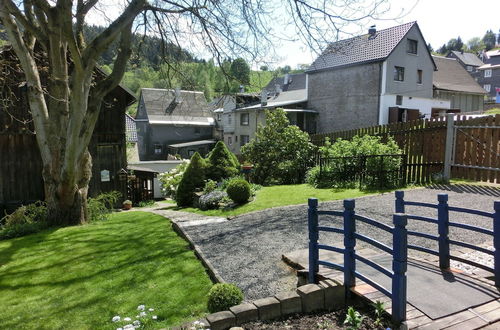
[(400, 246)]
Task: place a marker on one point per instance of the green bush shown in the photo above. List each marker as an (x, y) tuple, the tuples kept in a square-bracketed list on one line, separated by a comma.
[(192, 179), (221, 163), (27, 219), (222, 296), (280, 152), (239, 191), (210, 185), (100, 207)]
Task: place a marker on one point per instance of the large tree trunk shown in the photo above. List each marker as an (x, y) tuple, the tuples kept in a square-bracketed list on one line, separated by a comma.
[(67, 198)]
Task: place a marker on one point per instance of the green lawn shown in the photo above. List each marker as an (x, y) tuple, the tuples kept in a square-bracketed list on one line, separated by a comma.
[(80, 277), (494, 111), (284, 195)]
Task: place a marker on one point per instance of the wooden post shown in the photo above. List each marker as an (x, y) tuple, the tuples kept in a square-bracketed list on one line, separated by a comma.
[(448, 155), (349, 245), (312, 221), (400, 203), (496, 241), (443, 229), (399, 266)]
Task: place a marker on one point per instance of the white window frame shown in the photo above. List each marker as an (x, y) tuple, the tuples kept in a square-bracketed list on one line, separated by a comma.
[(230, 140), (247, 116), (409, 49), (487, 73), (487, 87)]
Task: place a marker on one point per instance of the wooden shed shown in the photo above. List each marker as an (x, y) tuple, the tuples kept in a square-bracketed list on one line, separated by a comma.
[(21, 179)]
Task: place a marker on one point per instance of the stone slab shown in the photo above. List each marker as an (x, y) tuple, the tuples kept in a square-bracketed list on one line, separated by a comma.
[(245, 313), (290, 302), (334, 295), (313, 297), (269, 308), (221, 320)]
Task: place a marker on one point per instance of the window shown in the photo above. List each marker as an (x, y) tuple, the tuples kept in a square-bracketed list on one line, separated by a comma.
[(469, 68), (244, 139), (158, 149), (487, 87), (236, 138), (399, 99), (197, 130), (411, 46), (419, 76), (218, 117), (230, 140), (244, 119), (487, 73), (399, 73), (229, 119)]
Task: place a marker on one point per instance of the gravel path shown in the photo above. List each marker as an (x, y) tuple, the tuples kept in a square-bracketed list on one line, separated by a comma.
[(247, 250)]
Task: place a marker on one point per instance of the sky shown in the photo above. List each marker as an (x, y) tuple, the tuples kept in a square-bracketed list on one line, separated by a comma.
[(439, 21)]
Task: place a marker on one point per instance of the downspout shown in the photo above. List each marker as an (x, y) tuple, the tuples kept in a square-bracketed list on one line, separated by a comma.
[(380, 69)]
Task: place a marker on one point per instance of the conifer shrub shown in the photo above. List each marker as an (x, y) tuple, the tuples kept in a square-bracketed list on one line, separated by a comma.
[(221, 163), (192, 179), (222, 296), (239, 191)]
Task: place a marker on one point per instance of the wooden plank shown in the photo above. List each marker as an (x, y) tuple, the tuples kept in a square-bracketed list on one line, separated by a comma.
[(470, 324), (448, 321)]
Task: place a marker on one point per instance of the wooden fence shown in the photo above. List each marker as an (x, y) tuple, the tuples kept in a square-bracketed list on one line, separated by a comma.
[(476, 147)]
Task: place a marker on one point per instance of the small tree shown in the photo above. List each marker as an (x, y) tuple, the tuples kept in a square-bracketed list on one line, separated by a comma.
[(280, 152), (222, 163), (193, 178)]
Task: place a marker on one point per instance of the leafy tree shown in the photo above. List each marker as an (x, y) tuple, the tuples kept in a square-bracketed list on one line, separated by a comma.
[(429, 47), (192, 179), (264, 68), (454, 44), (443, 50), (475, 45), (222, 163), (240, 71), (489, 40), (280, 152), (66, 103)]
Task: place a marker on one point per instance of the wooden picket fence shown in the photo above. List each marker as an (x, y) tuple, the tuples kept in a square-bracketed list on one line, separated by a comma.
[(476, 146)]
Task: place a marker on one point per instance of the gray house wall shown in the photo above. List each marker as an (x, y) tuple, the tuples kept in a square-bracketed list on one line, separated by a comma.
[(411, 63), (346, 98), (493, 81), (464, 101)]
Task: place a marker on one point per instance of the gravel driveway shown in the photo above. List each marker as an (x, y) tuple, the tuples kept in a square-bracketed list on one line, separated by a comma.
[(247, 250)]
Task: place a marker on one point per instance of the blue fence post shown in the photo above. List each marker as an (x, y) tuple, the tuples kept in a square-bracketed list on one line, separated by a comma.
[(400, 203), (443, 230), (312, 220), (496, 241), (399, 266), (349, 244)]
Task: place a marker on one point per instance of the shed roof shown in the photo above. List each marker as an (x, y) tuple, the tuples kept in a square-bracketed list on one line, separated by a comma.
[(468, 58), (295, 81), (192, 143), (453, 77), (362, 49), (282, 99), (163, 105)]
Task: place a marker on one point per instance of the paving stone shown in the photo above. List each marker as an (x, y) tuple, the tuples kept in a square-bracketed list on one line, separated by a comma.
[(313, 297), (290, 302), (470, 324), (269, 308), (245, 313), (334, 294), (221, 320), (448, 321)]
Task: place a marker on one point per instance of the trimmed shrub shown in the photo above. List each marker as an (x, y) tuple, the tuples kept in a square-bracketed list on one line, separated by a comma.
[(211, 200), (239, 191), (222, 296), (221, 163), (192, 179)]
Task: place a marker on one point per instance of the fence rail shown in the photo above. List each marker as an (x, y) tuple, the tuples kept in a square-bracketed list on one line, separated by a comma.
[(400, 246), (476, 152)]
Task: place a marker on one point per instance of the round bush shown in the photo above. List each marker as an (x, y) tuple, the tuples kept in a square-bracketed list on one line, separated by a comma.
[(239, 191), (222, 296)]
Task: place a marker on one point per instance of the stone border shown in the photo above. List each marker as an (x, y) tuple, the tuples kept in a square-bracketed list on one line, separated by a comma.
[(327, 295), (212, 272)]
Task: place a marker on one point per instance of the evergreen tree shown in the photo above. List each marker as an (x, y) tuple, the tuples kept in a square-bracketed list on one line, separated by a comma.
[(221, 163), (240, 71), (489, 40), (192, 179)]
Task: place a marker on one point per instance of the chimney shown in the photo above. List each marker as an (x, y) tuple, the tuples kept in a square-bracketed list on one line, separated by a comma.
[(178, 96), (263, 97), (287, 79), (372, 30)]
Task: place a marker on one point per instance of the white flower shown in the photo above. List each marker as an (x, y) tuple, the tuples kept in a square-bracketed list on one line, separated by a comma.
[(119, 328), (127, 319), (141, 314), (154, 317), (116, 318), (136, 323), (141, 307), (151, 309), (128, 327), (196, 322)]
